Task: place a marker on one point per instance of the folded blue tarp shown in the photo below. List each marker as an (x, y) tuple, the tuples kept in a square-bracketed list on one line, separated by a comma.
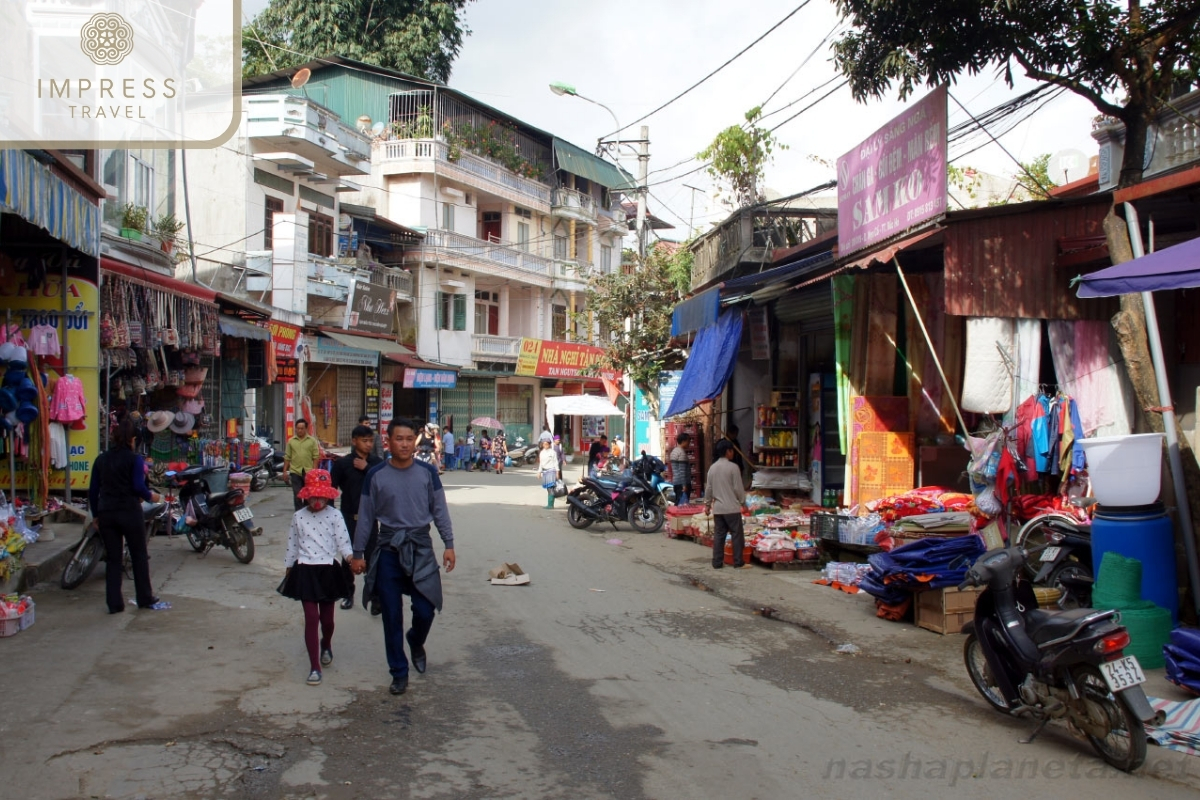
[(946, 560), (1183, 658)]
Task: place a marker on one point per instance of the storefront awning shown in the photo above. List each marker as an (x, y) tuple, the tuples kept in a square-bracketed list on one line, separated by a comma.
[(696, 312), (157, 279), (390, 350), (240, 329), (743, 288), (885, 254), (581, 405), (710, 363), (578, 161)]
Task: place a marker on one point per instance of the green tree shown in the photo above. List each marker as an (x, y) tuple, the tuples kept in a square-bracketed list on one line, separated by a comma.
[(417, 37), (1033, 180), (644, 298), (1095, 48), (739, 155)]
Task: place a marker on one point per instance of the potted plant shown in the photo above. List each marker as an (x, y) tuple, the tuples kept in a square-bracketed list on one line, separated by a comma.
[(133, 222), (166, 228)]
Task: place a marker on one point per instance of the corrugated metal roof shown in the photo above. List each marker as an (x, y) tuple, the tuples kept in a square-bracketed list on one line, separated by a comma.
[(1003, 265), (748, 283), (578, 161)]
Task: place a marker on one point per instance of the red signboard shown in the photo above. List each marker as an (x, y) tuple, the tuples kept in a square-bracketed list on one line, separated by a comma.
[(283, 336), (545, 359)]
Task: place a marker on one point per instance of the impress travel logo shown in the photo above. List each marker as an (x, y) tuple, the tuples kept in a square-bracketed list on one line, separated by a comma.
[(119, 73)]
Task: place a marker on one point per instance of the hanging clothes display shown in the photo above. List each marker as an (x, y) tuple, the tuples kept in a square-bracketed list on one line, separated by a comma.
[(987, 378), (1029, 357), (68, 403), (1089, 369), (43, 341)]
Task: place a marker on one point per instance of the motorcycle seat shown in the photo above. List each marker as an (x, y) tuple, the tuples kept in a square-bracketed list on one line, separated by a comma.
[(1044, 626), (221, 497), (612, 483), (195, 472)]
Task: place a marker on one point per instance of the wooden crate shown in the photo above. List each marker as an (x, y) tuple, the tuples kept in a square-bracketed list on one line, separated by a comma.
[(945, 610)]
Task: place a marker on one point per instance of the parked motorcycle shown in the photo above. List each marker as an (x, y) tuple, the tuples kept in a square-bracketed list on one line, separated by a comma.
[(614, 500), (518, 451), (266, 469), (1049, 665), (90, 550), (1064, 544), (210, 519), (649, 469)]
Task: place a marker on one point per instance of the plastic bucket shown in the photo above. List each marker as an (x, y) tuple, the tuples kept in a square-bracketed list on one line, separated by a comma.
[(1125, 470), (1146, 534)]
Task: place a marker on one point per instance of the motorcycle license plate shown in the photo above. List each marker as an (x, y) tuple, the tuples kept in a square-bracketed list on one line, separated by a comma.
[(1123, 673), (243, 515), (1050, 553)]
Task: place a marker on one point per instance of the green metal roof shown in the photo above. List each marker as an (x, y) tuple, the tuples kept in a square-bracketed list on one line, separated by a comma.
[(580, 162)]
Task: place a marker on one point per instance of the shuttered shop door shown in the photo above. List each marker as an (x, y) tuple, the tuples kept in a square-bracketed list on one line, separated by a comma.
[(351, 393), (471, 398), (811, 309)]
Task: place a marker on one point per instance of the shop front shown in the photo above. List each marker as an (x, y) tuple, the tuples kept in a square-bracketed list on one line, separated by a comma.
[(336, 387), (275, 393), (566, 368)]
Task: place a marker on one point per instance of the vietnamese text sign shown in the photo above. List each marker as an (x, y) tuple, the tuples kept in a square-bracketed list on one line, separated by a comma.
[(121, 73), (415, 378), (370, 307), (283, 336), (329, 352), (545, 359), (896, 178)]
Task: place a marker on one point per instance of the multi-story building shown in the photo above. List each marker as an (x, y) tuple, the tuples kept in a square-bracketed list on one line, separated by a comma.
[(515, 221)]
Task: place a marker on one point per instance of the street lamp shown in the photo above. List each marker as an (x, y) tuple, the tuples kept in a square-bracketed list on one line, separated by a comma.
[(560, 89)]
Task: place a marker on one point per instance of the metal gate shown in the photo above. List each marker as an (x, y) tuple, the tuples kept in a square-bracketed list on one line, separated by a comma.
[(351, 395), (471, 398), (811, 308)]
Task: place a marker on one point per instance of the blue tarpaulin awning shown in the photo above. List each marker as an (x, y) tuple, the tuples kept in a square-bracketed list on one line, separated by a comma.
[(1176, 267), (696, 312), (710, 364), (794, 271)]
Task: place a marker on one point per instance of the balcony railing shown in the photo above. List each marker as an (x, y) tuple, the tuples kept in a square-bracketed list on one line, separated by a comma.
[(573, 203), (481, 255), (287, 120), (438, 152), (495, 346), (613, 221)]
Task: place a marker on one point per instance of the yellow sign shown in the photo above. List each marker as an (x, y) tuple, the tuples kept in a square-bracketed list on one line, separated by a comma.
[(43, 306), (528, 358)]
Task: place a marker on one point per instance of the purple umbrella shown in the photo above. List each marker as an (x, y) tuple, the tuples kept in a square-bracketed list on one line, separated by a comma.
[(1176, 267)]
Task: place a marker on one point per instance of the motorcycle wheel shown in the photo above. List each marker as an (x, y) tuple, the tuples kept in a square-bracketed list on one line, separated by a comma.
[(241, 543), (195, 540), (1125, 745), (577, 518), (258, 482), (81, 565), (1033, 534), (1071, 569), (646, 517), (980, 674)]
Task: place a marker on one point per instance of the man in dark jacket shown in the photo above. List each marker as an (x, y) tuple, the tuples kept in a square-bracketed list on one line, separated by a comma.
[(348, 474), (376, 441)]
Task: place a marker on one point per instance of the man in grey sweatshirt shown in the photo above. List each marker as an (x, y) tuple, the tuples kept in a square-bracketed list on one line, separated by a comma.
[(724, 496), (404, 496)]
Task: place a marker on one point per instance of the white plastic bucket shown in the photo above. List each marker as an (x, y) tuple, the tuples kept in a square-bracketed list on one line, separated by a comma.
[(1125, 470)]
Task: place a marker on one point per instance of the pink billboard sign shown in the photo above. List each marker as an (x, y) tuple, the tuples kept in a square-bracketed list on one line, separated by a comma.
[(894, 179)]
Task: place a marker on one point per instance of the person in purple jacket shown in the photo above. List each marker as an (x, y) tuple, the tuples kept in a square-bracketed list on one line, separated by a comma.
[(115, 496)]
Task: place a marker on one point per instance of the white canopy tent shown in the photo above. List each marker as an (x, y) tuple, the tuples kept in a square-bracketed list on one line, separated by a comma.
[(581, 405)]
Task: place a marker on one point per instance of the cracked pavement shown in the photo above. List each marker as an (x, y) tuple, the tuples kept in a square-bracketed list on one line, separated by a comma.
[(629, 671)]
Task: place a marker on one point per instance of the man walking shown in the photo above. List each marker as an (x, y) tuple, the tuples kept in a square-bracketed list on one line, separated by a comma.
[(724, 495), (348, 474), (448, 448), (404, 496), (301, 454), (376, 441)]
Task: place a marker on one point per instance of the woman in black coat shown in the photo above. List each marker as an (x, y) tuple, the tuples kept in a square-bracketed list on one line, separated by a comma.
[(116, 493)]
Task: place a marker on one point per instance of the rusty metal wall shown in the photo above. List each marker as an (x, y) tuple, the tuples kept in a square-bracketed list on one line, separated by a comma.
[(1005, 266)]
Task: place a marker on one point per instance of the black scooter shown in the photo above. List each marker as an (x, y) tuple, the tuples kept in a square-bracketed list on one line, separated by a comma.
[(617, 499), (1049, 665), (209, 518), (1064, 547)]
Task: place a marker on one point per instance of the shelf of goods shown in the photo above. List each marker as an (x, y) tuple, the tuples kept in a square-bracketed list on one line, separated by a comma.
[(694, 450), (777, 436)]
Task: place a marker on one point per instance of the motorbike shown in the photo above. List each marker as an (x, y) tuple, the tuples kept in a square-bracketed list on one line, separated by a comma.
[(1065, 560), (1054, 665), (268, 468), (209, 519), (518, 451), (649, 469), (613, 500), (90, 550)]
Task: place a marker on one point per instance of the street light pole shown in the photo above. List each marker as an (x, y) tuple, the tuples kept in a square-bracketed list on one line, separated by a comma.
[(643, 189), (561, 89)]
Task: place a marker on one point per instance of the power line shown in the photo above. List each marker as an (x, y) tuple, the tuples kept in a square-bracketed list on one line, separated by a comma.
[(735, 57), (810, 105), (1024, 169), (807, 58)]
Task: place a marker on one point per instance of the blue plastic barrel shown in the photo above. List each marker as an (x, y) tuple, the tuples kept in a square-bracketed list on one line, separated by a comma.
[(1147, 534)]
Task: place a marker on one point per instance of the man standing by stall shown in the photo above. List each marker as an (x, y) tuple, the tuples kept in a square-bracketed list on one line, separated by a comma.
[(724, 496), (405, 497), (301, 454)]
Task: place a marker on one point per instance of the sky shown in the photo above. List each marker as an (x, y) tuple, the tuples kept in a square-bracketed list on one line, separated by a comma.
[(634, 55)]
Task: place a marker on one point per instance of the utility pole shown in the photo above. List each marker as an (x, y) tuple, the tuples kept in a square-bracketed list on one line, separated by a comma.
[(643, 189), (692, 213)]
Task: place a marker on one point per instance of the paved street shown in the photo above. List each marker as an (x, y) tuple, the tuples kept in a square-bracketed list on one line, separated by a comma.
[(612, 675)]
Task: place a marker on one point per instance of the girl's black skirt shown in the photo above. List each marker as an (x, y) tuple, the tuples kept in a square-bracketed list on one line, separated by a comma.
[(316, 583)]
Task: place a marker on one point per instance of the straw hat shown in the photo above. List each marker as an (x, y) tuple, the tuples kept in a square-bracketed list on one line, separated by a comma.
[(157, 421), (183, 422)]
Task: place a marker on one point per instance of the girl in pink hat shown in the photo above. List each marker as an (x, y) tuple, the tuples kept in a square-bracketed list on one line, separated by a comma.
[(318, 539)]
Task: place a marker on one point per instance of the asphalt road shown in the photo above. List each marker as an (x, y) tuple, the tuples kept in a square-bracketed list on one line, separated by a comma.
[(611, 675)]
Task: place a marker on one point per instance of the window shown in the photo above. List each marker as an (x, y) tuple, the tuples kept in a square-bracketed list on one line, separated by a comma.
[(451, 312), (141, 182), (558, 323), (487, 313), (605, 259), (320, 234), (274, 206), (523, 236), (523, 212), (560, 247), (448, 216)]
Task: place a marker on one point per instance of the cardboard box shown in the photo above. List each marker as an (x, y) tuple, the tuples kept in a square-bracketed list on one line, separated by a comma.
[(509, 575), (945, 610)]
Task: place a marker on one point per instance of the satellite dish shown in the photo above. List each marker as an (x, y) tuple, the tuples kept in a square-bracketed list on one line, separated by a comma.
[(1068, 165), (377, 128), (301, 77)]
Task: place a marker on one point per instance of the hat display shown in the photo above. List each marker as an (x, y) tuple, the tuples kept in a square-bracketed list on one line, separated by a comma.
[(188, 390), (26, 391), (7, 350), (317, 483), (159, 421), (20, 357), (14, 376), (183, 422), (8, 400), (27, 412), (194, 406)]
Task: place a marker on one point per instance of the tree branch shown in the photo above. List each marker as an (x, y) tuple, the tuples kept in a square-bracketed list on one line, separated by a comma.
[(1074, 85)]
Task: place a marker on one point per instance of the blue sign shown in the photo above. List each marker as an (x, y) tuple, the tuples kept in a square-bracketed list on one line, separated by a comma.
[(415, 378)]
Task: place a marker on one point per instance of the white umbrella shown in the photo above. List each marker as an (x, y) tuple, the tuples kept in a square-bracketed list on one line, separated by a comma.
[(581, 405)]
